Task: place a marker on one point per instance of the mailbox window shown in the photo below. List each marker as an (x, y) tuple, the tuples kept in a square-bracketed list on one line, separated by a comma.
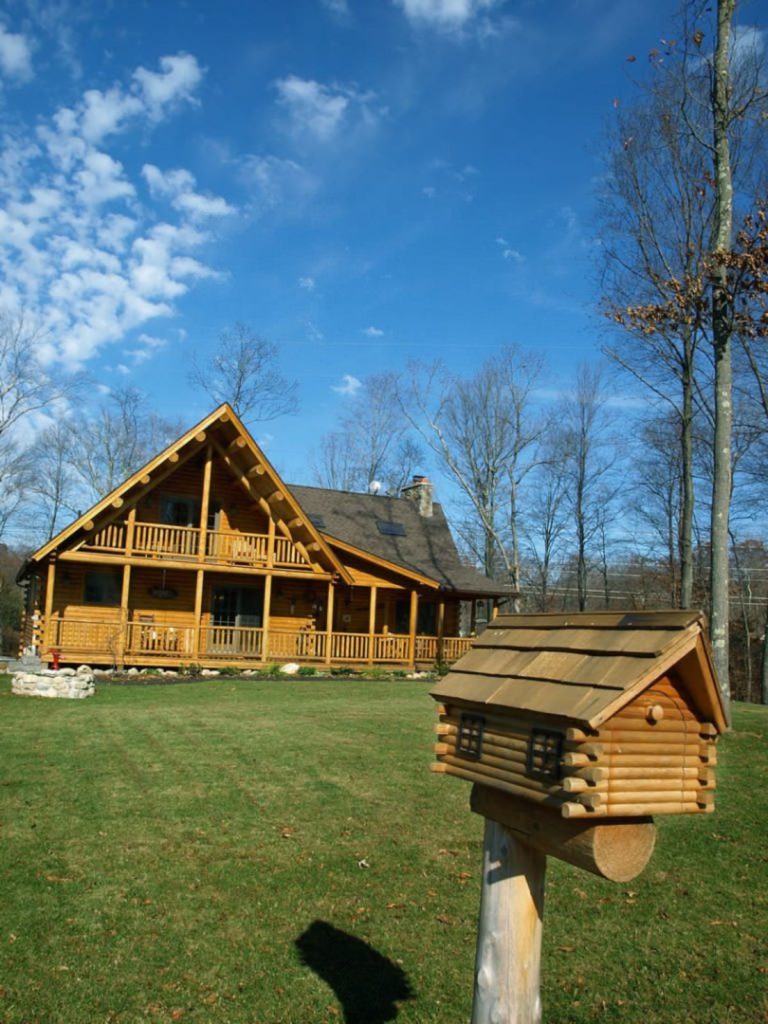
[(470, 738), (545, 754)]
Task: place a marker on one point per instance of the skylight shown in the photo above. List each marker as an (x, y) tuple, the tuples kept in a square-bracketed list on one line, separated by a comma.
[(390, 529)]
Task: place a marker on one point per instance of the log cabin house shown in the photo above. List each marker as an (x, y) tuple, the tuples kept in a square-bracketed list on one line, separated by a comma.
[(204, 556)]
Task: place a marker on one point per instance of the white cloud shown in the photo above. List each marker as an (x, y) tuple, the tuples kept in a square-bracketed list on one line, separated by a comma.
[(508, 252), (429, 191), (277, 182), (338, 7), (148, 346), (348, 385), (307, 283), (15, 56), (445, 15), (373, 332), (179, 187), (77, 252), (175, 83), (318, 112)]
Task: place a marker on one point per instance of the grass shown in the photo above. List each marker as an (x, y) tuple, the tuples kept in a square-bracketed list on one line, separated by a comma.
[(265, 852)]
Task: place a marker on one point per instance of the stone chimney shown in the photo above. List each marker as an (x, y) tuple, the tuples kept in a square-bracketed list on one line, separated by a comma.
[(419, 491)]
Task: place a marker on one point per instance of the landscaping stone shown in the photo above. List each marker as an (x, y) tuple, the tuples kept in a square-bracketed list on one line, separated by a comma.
[(290, 669), (65, 683)]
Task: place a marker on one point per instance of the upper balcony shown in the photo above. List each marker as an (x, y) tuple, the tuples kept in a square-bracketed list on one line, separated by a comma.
[(184, 544)]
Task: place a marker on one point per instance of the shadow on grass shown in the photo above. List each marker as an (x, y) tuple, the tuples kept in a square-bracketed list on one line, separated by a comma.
[(367, 984)]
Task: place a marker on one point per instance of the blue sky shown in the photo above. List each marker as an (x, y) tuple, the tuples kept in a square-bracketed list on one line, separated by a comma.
[(363, 183)]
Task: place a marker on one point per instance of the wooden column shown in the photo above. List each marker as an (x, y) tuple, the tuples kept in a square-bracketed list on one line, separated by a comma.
[(205, 505), (472, 617), (130, 531), (371, 624), (329, 622), (270, 542), (122, 637), (440, 630), (266, 614), (50, 583), (196, 637), (495, 611), (412, 623), (507, 964)]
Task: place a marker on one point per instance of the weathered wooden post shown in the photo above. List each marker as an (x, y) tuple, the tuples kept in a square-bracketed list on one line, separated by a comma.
[(575, 730)]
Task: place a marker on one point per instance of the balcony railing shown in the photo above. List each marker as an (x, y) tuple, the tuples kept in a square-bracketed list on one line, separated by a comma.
[(182, 543), (167, 643)]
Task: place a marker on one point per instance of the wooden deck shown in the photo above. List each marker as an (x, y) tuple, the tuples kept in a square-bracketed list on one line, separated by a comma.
[(141, 643)]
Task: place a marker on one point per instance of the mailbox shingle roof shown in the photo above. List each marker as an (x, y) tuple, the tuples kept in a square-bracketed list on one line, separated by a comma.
[(585, 666)]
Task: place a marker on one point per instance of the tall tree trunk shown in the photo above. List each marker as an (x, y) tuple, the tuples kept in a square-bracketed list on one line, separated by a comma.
[(764, 664), (721, 338), (514, 569), (686, 512)]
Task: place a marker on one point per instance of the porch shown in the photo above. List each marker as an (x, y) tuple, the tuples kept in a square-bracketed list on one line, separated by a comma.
[(138, 642)]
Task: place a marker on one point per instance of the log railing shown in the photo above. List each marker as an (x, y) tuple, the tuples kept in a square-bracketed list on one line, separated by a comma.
[(172, 541), (173, 643), (222, 547)]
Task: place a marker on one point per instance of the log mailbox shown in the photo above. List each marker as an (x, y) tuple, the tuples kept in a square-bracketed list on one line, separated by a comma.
[(576, 730)]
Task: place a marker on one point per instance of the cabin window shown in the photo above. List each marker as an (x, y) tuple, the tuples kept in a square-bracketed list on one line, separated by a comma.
[(180, 511), (101, 588), (425, 618), (545, 754), (469, 742)]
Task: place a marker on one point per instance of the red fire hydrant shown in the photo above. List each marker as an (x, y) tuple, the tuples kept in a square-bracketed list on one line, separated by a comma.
[(55, 655)]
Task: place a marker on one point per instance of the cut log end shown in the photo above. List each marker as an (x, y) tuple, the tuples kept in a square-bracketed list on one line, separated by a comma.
[(616, 850)]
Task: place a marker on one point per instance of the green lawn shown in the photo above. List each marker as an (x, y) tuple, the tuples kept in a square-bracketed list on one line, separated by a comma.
[(265, 852)]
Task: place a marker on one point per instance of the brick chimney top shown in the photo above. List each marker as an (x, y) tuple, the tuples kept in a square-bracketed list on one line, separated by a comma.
[(419, 491)]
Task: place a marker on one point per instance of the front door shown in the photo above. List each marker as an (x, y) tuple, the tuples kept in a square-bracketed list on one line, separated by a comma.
[(235, 612)]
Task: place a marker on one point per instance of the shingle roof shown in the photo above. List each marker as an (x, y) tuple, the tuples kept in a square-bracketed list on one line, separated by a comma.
[(426, 547), (584, 666)]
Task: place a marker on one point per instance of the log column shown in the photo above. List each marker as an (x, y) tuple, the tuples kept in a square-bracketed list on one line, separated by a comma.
[(371, 624), (196, 637), (122, 636), (412, 623), (440, 630), (50, 584), (205, 504), (266, 615), (507, 964), (329, 622)]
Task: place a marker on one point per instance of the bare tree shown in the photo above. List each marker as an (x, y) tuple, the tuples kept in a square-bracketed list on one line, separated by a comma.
[(544, 528), (54, 486), (244, 372), (112, 444), (372, 444), (484, 433), (587, 464)]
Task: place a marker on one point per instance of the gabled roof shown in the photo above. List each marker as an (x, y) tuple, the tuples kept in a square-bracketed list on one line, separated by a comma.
[(424, 546), (238, 450), (585, 666)]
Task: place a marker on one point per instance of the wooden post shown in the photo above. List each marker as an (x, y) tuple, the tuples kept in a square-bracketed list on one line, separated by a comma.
[(412, 622), (440, 630), (266, 613), (472, 617), (507, 964), (371, 624), (270, 542), (198, 614), (122, 638), (130, 531), (329, 622), (50, 583), (205, 503)]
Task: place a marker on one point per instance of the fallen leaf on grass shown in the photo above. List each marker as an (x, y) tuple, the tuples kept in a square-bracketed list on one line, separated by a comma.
[(177, 1014), (445, 919)]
